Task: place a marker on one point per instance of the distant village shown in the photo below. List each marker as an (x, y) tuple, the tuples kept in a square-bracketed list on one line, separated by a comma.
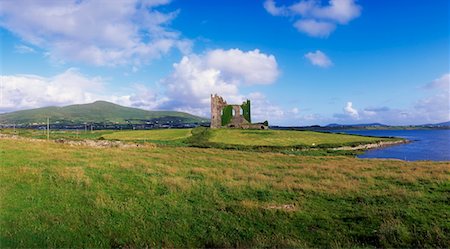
[(129, 125)]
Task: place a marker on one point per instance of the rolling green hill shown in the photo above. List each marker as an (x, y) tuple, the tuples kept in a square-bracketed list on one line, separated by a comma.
[(97, 112)]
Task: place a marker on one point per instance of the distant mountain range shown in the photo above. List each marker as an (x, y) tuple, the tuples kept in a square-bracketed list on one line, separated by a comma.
[(378, 125), (357, 125), (444, 124), (368, 126), (97, 112)]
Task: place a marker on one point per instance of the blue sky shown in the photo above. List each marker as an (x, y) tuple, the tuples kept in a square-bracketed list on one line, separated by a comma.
[(300, 62)]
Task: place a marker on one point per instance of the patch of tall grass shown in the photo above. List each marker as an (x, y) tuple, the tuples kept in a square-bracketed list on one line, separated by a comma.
[(56, 195)]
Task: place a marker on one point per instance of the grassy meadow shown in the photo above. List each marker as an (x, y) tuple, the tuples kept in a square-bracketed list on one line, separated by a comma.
[(284, 138), (57, 134), (150, 135), (57, 195), (287, 141)]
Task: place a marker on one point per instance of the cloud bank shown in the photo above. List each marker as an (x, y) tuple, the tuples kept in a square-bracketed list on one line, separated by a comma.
[(192, 81), (96, 32), (186, 88), (434, 108), (32, 91), (18, 92), (219, 71)]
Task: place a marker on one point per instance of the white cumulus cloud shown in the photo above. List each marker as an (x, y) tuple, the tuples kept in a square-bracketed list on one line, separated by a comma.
[(263, 109), (433, 108), (252, 67), (339, 11), (315, 19), (98, 32), (315, 28), (442, 83), (187, 88), (139, 96), (19, 92), (274, 10), (349, 110), (436, 108), (319, 59), (32, 91), (219, 71)]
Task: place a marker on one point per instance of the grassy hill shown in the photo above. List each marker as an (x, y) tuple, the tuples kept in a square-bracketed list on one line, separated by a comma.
[(97, 112)]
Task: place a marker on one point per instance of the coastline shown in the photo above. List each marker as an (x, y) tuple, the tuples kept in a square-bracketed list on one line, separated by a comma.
[(374, 145), (108, 143)]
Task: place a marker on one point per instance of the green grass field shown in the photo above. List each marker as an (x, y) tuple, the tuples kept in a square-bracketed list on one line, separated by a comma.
[(283, 137), (56, 195), (254, 140), (150, 135), (57, 134)]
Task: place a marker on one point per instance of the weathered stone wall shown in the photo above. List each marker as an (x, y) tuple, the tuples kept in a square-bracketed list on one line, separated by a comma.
[(237, 119), (217, 105), (231, 116)]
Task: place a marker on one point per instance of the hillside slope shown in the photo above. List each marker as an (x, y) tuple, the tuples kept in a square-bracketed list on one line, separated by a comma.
[(97, 112)]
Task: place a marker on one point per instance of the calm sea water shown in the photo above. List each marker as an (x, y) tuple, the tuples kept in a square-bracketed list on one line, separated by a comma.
[(426, 144)]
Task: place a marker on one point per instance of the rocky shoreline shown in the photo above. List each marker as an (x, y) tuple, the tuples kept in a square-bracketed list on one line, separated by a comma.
[(373, 145), (88, 143)]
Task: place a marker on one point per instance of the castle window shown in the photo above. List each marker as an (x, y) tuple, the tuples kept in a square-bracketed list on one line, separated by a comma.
[(234, 113)]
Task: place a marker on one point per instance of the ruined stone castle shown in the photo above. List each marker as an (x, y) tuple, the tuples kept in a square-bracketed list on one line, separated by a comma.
[(224, 115)]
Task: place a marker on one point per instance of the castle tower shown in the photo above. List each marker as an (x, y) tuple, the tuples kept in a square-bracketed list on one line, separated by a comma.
[(217, 105), (224, 115)]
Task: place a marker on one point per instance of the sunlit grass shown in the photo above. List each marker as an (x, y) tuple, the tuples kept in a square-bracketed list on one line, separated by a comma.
[(56, 195), (160, 134), (217, 138), (283, 138), (57, 134)]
